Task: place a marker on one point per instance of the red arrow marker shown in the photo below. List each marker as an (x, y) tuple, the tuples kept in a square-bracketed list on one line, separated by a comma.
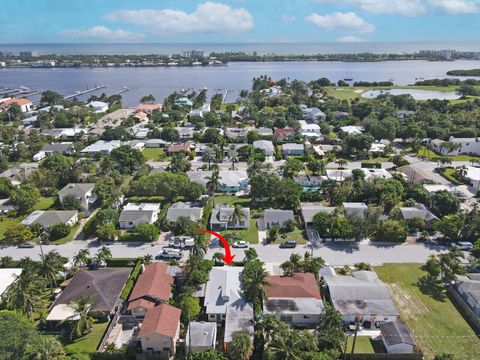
[(228, 255)]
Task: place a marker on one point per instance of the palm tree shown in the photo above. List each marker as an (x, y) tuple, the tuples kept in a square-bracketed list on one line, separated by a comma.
[(48, 348), (213, 184), (461, 172), (102, 256), (199, 247), (217, 258), (147, 259), (25, 293), (241, 347), (232, 155), (82, 258), (254, 282), (336, 221), (81, 319), (254, 168), (208, 156), (237, 215), (53, 264)]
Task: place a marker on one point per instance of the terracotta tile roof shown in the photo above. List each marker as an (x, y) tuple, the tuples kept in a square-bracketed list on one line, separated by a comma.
[(280, 133), (148, 107), (140, 115), (185, 147), (300, 285), (19, 101), (144, 303), (163, 319), (155, 283)]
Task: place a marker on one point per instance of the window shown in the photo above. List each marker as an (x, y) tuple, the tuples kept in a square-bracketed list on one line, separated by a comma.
[(385, 318), (306, 317), (286, 318)]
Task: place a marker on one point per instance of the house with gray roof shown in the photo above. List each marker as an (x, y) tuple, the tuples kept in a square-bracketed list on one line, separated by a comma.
[(467, 289), (101, 147), (104, 286), (314, 114), (61, 148), (201, 336), (397, 338), (47, 219), (222, 218), (310, 209), (82, 192), (235, 133), (231, 181), (224, 302), (361, 297), (419, 211), (189, 210), (277, 217), (265, 147), (134, 214)]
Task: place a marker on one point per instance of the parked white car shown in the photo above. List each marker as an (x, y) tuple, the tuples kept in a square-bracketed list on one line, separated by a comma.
[(464, 245)]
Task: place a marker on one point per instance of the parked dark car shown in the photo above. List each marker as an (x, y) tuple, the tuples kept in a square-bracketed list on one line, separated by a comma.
[(289, 244), (26, 245)]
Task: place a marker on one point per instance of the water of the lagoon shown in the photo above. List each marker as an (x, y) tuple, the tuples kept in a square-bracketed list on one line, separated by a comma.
[(162, 81)]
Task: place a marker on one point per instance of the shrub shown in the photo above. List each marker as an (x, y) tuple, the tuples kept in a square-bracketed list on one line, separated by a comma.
[(59, 231)]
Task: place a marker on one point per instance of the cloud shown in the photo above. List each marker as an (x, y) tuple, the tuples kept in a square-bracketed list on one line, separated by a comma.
[(412, 7), (103, 33), (350, 39), (348, 21), (288, 18), (456, 6), (207, 17)]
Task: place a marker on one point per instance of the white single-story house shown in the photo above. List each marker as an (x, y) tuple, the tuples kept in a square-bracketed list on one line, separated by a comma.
[(277, 217), (47, 219), (192, 211), (134, 214), (265, 147)]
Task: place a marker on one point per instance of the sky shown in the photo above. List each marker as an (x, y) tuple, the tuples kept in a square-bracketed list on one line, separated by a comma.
[(169, 21)]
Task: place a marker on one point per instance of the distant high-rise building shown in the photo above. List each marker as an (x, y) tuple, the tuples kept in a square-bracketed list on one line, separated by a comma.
[(28, 53), (194, 54)]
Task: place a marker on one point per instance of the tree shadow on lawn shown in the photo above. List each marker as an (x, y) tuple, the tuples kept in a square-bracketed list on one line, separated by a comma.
[(432, 288)]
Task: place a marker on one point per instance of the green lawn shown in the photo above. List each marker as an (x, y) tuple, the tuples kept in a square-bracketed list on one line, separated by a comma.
[(5, 223), (298, 235), (223, 107), (67, 238), (250, 235), (434, 321), (232, 200), (44, 203), (424, 152), (155, 154), (448, 173), (348, 93), (365, 345), (88, 343)]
